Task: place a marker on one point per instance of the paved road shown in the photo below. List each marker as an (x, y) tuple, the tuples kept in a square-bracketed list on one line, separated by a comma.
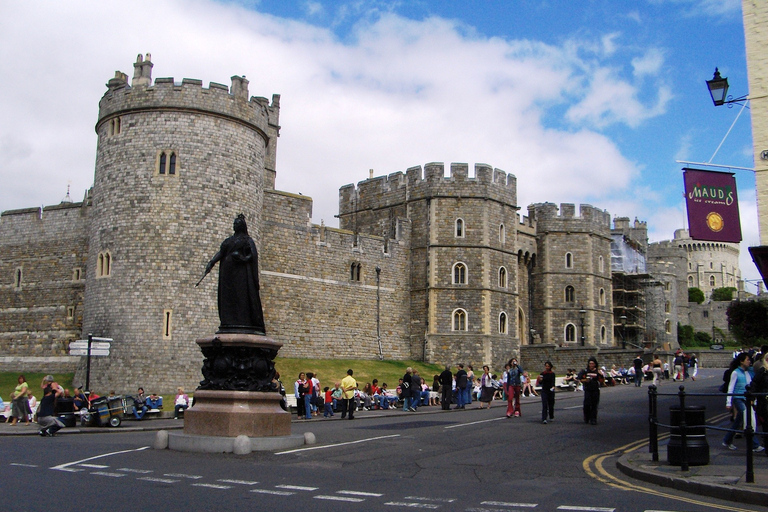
[(470, 461)]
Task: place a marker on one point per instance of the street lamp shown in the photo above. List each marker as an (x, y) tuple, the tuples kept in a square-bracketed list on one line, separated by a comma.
[(582, 314), (378, 311), (623, 319), (718, 90)]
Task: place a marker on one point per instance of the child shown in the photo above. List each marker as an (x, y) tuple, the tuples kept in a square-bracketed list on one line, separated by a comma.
[(328, 409)]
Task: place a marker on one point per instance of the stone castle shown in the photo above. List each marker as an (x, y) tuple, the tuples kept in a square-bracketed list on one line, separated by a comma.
[(432, 264)]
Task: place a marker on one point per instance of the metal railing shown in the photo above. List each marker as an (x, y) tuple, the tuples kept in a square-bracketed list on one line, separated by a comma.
[(654, 424)]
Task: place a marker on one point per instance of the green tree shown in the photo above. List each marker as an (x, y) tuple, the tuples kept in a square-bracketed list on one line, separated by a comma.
[(723, 294), (696, 295), (748, 322), (685, 335), (702, 339)]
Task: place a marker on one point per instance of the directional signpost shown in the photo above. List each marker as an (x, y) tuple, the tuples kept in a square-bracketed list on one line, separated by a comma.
[(92, 347)]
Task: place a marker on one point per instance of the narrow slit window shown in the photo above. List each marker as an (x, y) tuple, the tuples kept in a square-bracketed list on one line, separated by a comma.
[(163, 159), (172, 164), (503, 323), (459, 228), (18, 276), (167, 324)]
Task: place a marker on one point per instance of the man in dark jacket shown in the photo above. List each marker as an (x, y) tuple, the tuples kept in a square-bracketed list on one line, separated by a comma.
[(49, 423), (638, 365), (406, 390), (461, 385), (446, 383)]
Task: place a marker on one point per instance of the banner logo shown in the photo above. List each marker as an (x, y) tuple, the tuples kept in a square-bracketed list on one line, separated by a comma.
[(713, 206)]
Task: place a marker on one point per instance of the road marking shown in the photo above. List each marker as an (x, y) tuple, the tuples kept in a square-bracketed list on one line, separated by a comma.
[(156, 479), (360, 493), (140, 471), (297, 487), (19, 464), (107, 473), (270, 491), (338, 498), (212, 486), (338, 444), (239, 482), (573, 407), (421, 498), (183, 475), (505, 504), (411, 504), (65, 467), (591, 509), (474, 423), (94, 466)]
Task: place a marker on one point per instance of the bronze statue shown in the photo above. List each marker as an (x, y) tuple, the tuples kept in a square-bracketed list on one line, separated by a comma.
[(239, 302)]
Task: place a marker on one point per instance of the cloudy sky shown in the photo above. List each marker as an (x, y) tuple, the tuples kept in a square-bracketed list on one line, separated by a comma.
[(585, 102)]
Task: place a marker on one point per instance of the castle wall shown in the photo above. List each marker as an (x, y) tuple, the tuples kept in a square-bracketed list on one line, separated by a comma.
[(312, 304), (44, 312)]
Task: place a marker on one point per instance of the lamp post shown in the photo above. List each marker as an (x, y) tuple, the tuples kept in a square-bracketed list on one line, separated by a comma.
[(582, 315), (623, 320), (718, 90), (378, 311)]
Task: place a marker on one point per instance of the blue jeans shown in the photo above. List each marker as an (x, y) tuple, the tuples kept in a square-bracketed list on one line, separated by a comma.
[(468, 394), (328, 409), (638, 378), (406, 403), (140, 412), (307, 407), (461, 395), (740, 405)]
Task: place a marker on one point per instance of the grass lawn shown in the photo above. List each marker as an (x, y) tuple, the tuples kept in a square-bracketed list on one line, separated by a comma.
[(9, 381)]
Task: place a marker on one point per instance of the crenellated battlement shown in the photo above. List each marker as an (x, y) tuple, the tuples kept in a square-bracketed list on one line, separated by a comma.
[(430, 181), (190, 95), (548, 217)]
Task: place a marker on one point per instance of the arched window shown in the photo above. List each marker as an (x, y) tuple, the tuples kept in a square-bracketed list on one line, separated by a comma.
[(354, 271), (570, 333), (503, 323), (711, 280), (601, 264), (603, 334), (103, 264), (601, 298), (668, 327), (502, 234), (667, 307), (690, 281), (459, 320), (172, 164), (502, 277), (166, 162), (568, 260), (459, 273), (459, 228), (163, 161), (570, 294)]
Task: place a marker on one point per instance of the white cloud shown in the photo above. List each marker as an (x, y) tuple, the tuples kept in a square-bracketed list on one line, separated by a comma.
[(648, 64), (402, 93)]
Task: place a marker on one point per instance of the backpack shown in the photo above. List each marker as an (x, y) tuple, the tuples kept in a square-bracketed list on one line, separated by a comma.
[(726, 380)]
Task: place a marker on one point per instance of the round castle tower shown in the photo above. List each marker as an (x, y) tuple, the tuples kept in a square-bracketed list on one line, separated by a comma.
[(573, 275), (710, 264), (175, 164)]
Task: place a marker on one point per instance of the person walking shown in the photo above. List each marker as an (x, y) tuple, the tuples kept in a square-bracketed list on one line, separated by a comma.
[(446, 383), (514, 375), (656, 369), (637, 363), (736, 402), (348, 386), (592, 378), (546, 381), (20, 402), (486, 388), (470, 385), (693, 363), (461, 386)]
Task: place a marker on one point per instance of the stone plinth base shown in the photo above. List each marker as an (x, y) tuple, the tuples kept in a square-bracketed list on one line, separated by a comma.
[(214, 444), (235, 413)]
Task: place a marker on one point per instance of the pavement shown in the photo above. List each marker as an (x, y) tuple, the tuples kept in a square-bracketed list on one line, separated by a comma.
[(725, 477)]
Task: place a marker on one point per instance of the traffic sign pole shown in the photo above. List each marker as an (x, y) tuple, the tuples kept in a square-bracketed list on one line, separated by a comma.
[(88, 366)]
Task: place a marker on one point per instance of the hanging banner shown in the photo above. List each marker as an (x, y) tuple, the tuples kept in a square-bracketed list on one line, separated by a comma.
[(713, 206)]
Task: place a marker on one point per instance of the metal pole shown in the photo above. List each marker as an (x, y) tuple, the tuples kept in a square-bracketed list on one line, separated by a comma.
[(749, 434), (378, 311), (683, 440), (88, 366), (653, 439)]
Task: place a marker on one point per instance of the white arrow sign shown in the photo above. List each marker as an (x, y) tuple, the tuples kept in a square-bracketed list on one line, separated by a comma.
[(84, 352), (102, 345)]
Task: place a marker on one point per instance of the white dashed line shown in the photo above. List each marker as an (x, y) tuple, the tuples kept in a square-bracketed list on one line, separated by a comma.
[(65, 467), (412, 505), (19, 464), (338, 498), (182, 475), (585, 509), (297, 487), (422, 498), (338, 444), (270, 491), (139, 471), (473, 423), (360, 493), (213, 486), (238, 482), (94, 466), (506, 504), (107, 473), (160, 480)]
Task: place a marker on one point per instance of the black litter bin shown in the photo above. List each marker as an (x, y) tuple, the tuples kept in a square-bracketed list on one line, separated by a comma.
[(64, 409), (695, 436)]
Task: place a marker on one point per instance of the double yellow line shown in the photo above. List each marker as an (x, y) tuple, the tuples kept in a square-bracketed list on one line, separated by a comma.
[(599, 473)]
